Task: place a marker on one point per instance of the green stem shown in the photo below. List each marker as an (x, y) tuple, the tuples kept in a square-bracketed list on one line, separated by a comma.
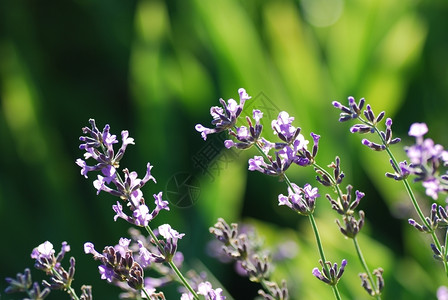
[(355, 241), (146, 294), (321, 252), (172, 265), (315, 230), (413, 199), (70, 290), (366, 268)]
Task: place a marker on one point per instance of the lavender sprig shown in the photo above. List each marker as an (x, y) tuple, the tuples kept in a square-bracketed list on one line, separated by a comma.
[(425, 157), (345, 205), (291, 149), (23, 283), (242, 248), (99, 145), (59, 277)]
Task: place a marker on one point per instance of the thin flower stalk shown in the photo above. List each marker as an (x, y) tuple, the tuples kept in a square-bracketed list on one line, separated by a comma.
[(100, 146), (172, 264), (242, 246), (318, 241), (291, 149), (369, 125), (336, 187)]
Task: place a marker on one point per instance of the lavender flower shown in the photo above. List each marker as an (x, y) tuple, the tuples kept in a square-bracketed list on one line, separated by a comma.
[(274, 167), (205, 289), (45, 258), (275, 291), (100, 147), (301, 200), (330, 274), (169, 243), (224, 117), (346, 206), (51, 264), (367, 125), (378, 273), (118, 264), (426, 160), (351, 112), (23, 283), (401, 172), (246, 136), (244, 249), (352, 226)]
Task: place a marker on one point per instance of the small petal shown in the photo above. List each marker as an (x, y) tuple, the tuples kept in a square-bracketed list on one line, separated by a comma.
[(418, 129)]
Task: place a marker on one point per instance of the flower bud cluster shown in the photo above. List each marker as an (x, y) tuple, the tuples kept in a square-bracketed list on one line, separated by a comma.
[(51, 264), (47, 261), (378, 273), (330, 274), (246, 136), (300, 200), (100, 147), (224, 117), (243, 249), (23, 283), (275, 292), (338, 175), (344, 204), (123, 263), (368, 123), (118, 264), (438, 217), (292, 147)]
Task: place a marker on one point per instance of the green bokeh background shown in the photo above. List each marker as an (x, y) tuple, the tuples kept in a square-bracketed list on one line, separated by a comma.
[(155, 68)]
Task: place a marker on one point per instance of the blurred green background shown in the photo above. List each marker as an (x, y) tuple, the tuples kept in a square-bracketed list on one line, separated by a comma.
[(155, 68)]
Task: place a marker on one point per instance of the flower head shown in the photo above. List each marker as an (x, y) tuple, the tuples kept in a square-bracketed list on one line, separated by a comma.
[(100, 147), (224, 117), (301, 200), (246, 136), (332, 277)]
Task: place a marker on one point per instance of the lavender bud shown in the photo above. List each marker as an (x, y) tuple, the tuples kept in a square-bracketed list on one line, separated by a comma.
[(86, 292), (437, 254), (354, 107), (368, 113), (366, 284), (275, 292), (379, 280), (443, 216), (380, 117), (417, 226), (373, 146)]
